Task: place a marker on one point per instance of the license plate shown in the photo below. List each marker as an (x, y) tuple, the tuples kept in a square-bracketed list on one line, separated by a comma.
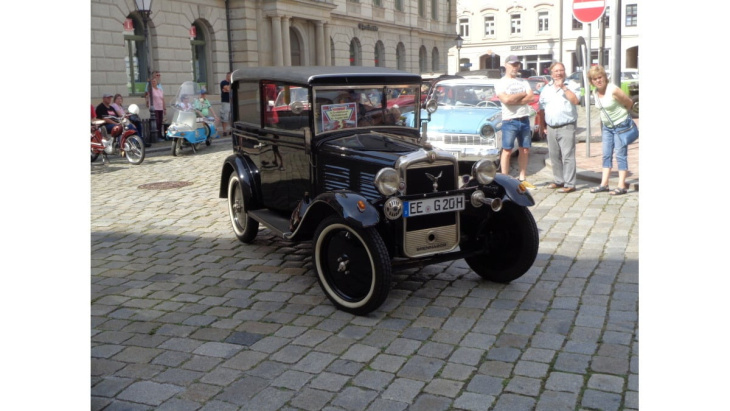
[(433, 206)]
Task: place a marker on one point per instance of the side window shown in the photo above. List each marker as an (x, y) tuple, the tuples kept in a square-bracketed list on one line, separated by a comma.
[(247, 101), (287, 106)]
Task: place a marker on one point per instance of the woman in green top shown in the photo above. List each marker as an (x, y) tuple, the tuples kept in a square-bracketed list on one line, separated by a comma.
[(615, 118)]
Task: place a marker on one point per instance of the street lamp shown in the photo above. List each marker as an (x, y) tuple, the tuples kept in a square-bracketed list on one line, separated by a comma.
[(144, 8), (459, 43)]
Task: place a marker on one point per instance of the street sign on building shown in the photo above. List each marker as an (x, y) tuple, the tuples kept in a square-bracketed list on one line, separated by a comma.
[(588, 11)]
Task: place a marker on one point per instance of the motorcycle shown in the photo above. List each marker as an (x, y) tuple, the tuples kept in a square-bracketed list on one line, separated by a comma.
[(189, 128), (123, 139)]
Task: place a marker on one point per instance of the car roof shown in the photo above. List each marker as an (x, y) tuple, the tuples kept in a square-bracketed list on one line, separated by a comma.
[(326, 74)]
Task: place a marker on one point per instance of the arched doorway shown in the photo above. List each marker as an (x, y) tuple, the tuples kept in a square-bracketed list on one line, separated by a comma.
[(296, 47), (355, 52)]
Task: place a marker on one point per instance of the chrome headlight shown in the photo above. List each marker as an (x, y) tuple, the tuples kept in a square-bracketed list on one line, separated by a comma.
[(484, 171), (487, 131), (387, 181)]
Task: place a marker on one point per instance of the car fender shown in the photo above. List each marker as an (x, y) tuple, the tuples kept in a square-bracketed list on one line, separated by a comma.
[(345, 204), (245, 171), (515, 193)]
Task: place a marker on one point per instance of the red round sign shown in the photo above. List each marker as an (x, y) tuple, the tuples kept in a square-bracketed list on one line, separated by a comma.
[(588, 11)]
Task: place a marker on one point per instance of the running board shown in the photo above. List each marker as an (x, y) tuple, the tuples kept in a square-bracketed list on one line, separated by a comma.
[(273, 221)]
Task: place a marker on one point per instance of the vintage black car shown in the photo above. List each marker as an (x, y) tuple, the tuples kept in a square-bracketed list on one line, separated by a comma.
[(324, 154)]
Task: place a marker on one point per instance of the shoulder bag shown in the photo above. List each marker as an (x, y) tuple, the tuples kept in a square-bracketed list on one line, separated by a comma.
[(627, 131)]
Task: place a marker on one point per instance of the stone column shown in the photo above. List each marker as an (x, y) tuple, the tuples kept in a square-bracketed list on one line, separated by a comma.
[(286, 21), (321, 49), (327, 50), (276, 44)]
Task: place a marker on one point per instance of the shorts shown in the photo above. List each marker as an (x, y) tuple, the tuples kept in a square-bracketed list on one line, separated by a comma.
[(516, 129), (225, 112)]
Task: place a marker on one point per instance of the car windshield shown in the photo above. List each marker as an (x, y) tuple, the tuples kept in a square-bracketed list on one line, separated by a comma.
[(337, 108), (463, 94)]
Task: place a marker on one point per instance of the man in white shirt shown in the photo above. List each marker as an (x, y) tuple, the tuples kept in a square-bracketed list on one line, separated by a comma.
[(515, 95), (558, 102)]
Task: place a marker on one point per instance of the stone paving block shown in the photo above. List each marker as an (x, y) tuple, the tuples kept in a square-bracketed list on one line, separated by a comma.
[(403, 389), (150, 393), (329, 381), (111, 386), (360, 353), (353, 398), (601, 400), (293, 380), (374, 380), (511, 402), (420, 368), (610, 383), (556, 401), (484, 384), (443, 387), (560, 381), (311, 399), (474, 402)]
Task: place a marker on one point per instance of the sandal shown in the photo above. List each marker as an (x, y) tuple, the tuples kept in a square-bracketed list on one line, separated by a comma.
[(618, 191), (599, 189)]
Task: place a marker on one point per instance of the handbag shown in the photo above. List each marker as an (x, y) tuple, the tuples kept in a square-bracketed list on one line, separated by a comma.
[(627, 134)]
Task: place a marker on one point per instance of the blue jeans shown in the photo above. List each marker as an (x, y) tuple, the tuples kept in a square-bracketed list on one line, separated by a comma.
[(517, 129), (613, 144)]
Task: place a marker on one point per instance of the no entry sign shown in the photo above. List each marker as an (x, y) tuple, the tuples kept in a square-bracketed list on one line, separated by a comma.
[(588, 11)]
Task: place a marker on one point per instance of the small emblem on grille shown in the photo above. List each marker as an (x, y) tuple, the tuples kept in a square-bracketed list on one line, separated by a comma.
[(435, 180)]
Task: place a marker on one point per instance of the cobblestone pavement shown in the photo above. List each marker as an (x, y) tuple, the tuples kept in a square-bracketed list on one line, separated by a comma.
[(185, 317)]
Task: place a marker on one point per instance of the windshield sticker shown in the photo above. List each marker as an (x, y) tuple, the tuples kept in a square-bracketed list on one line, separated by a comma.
[(337, 116)]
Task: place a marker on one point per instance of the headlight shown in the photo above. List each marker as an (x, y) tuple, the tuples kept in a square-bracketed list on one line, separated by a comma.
[(484, 171), (487, 131), (387, 181)]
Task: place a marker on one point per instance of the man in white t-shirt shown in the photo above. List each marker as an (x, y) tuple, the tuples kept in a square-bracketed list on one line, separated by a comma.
[(515, 94)]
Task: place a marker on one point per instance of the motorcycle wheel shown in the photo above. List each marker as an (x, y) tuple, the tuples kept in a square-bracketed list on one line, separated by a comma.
[(94, 156), (176, 147), (134, 149), (95, 138)]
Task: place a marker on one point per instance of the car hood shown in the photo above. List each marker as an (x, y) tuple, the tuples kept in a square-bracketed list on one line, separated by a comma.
[(467, 120)]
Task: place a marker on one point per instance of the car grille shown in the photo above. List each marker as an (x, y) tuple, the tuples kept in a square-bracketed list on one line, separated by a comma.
[(432, 233), (462, 139)]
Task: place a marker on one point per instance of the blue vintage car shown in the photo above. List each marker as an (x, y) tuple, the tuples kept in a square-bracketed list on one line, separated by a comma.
[(468, 121)]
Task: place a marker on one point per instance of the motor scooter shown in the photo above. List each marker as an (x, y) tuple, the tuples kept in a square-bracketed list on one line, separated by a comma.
[(122, 139), (189, 128)]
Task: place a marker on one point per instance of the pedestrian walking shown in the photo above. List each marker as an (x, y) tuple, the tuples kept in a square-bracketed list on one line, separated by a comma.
[(226, 104), (559, 116), (515, 94), (617, 131)]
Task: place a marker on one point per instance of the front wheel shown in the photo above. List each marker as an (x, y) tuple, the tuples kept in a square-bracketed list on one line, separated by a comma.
[(353, 266), (244, 226), (510, 240), (176, 148), (134, 149)]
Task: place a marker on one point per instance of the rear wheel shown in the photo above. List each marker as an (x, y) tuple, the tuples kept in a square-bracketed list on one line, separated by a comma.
[(134, 149), (353, 266), (510, 239), (244, 226), (176, 148)]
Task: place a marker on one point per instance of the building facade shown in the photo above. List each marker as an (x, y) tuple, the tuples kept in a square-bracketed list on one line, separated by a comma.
[(540, 32), (202, 40)]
